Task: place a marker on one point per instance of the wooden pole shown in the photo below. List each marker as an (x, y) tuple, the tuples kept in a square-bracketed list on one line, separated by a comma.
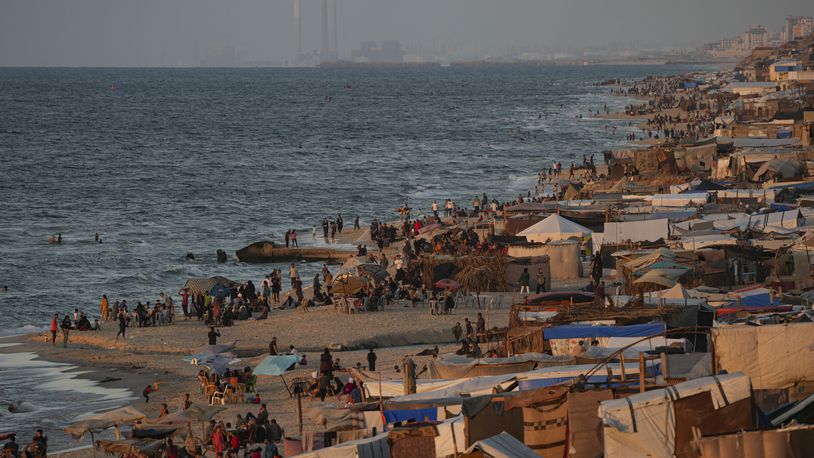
[(665, 371), (299, 410), (622, 365), (381, 400), (641, 372)]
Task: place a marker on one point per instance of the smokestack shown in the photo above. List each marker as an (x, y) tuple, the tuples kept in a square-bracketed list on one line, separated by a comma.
[(324, 51), (297, 31)]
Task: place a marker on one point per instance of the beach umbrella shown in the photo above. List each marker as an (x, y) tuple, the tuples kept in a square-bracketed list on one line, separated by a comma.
[(447, 284), (347, 284), (203, 413), (372, 270), (276, 365)]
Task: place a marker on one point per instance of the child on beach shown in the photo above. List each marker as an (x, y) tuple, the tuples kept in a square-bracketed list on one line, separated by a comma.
[(146, 393)]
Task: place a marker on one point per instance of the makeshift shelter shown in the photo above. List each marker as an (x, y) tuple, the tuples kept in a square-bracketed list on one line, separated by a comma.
[(774, 356), (211, 285), (371, 270), (564, 259), (102, 421), (452, 367), (554, 228), (372, 447), (347, 284), (660, 423), (132, 447), (794, 441), (780, 168), (503, 445)]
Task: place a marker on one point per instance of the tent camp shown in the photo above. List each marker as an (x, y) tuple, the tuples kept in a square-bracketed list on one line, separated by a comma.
[(660, 423), (553, 228)]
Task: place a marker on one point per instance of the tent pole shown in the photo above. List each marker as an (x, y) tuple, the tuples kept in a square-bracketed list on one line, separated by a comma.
[(299, 410), (286, 385)]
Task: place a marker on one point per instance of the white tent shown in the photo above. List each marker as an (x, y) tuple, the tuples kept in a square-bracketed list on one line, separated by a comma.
[(555, 227), (504, 445), (643, 425)]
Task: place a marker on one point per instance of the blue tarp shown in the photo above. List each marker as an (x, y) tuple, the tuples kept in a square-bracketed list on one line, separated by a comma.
[(393, 416), (758, 300), (578, 331), (275, 365)]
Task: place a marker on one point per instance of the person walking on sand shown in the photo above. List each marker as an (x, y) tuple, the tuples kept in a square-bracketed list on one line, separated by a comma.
[(104, 307), (54, 329), (122, 325), (66, 327)]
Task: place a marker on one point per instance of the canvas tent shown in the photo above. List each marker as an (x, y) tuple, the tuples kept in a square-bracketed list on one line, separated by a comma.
[(774, 356), (553, 228), (211, 285), (656, 423), (794, 441)]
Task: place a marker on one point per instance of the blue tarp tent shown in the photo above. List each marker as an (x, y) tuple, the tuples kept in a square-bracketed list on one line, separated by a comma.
[(580, 331), (275, 365)]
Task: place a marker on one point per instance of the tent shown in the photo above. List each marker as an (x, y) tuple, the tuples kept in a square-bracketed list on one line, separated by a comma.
[(783, 168), (102, 421), (676, 292), (664, 277), (553, 228), (659, 423), (503, 445), (372, 270), (577, 331), (775, 356), (211, 285), (793, 441), (347, 284)]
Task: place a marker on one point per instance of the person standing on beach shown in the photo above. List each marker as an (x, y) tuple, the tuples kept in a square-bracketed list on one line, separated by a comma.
[(294, 242), (122, 325), (66, 327), (339, 223), (104, 306), (470, 333), (54, 329), (371, 360), (293, 275), (356, 223), (273, 346), (287, 237), (213, 335)]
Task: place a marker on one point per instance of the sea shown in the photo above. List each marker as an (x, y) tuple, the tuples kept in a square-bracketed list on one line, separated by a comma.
[(165, 162)]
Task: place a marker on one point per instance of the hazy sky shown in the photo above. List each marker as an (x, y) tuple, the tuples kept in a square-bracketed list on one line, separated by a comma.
[(174, 32)]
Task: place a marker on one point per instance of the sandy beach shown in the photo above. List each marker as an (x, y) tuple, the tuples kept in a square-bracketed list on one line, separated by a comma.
[(153, 354)]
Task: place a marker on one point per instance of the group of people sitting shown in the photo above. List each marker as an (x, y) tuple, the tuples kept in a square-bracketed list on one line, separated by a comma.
[(257, 435), (37, 448)]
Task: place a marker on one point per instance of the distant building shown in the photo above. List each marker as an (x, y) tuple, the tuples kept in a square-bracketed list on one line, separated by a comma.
[(387, 52), (752, 88), (797, 27), (779, 70)]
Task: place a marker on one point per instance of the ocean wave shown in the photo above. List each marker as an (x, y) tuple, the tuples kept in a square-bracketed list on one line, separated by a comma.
[(22, 330)]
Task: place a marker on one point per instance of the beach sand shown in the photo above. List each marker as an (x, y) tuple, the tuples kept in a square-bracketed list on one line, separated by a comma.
[(153, 355)]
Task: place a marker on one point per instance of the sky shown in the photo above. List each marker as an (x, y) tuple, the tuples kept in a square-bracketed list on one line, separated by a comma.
[(182, 32)]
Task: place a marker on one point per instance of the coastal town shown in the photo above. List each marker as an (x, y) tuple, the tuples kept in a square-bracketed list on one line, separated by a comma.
[(652, 301)]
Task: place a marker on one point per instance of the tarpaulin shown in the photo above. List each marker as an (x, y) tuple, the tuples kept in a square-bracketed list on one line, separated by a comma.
[(583, 422), (275, 365), (644, 424), (774, 356), (394, 416), (575, 331)]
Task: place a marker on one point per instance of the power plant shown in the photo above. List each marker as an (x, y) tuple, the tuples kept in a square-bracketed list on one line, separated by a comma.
[(329, 51)]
